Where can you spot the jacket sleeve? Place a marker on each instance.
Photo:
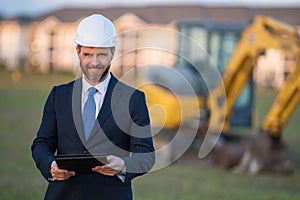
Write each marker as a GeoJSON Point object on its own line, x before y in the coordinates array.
{"type": "Point", "coordinates": [141, 145]}
{"type": "Point", "coordinates": [45, 143]}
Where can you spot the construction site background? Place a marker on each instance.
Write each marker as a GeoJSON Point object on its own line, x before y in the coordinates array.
{"type": "Point", "coordinates": [46, 43]}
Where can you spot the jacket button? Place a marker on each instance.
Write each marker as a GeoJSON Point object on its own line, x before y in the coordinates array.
{"type": "Point", "coordinates": [85, 152]}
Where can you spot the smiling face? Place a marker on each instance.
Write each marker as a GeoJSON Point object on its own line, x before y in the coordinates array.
{"type": "Point", "coordinates": [94, 61]}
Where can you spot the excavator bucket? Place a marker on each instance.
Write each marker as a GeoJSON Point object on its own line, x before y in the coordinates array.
{"type": "Point", "coordinates": [253, 155]}
{"type": "Point", "coordinates": [266, 154]}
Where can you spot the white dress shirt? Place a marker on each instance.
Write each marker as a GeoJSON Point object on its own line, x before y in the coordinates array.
{"type": "Point", "coordinates": [99, 95]}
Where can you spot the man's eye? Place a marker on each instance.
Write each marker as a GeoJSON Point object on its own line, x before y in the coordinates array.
{"type": "Point", "coordinates": [88, 55]}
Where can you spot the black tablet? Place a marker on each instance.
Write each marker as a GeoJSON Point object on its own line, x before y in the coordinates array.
{"type": "Point", "coordinates": [82, 163]}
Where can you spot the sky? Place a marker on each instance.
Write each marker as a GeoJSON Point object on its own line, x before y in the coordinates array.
{"type": "Point", "coordinates": [13, 8]}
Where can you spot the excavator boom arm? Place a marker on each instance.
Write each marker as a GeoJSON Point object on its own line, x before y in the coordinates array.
{"type": "Point", "coordinates": [261, 34]}
{"type": "Point", "coordinates": [284, 104]}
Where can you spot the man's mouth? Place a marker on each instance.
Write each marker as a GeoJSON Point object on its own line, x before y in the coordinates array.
{"type": "Point", "coordinates": [95, 68]}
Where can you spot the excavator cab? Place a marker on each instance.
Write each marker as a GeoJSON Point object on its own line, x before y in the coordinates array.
{"type": "Point", "coordinates": [218, 39]}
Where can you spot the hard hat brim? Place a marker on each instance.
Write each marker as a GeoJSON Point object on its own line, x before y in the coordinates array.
{"type": "Point", "coordinates": [109, 43]}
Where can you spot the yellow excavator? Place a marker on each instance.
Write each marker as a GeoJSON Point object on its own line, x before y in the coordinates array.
{"type": "Point", "coordinates": [220, 102]}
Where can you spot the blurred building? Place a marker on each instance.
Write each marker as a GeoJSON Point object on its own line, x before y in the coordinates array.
{"type": "Point", "coordinates": [46, 42]}
{"type": "Point", "coordinates": [14, 40]}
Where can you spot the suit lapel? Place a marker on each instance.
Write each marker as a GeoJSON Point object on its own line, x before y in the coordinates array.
{"type": "Point", "coordinates": [76, 107]}
{"type": "Point", "coordinates": [111, 98]}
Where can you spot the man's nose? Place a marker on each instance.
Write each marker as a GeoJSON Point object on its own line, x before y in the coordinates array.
{"type": "Point", "coordinates": [95, 61]}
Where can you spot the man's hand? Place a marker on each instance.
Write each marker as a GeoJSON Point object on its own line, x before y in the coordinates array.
{"type": "Point", "coordinates": [114, 166]}
{"type": "Point", "coordinates": [60, 174]}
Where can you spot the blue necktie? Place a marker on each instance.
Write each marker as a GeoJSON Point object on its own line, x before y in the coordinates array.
{"type": "Point", "coordinates": [89, 112]}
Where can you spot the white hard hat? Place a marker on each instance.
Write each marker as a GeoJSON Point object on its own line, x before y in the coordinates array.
{"type": "Point", "coordinates": [96, 31]}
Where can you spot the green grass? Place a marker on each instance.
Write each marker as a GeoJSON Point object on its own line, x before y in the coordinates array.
{"type": "Point", "coordinates": [203, 182]}
{"type": "Point", "coordinates": [21, 107]}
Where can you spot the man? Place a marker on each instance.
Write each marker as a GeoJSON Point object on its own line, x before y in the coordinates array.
{"type": "Point", "coordinates": [94, 114]}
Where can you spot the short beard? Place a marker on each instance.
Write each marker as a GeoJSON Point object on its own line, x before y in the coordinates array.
{"type": "Point", "coordinates": [93, 80]}
{"type": "Point", "coordinates": [98, 80]}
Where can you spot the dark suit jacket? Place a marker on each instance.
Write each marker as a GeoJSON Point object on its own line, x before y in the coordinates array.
{"type": "Point", "coordinates": [123, 130]}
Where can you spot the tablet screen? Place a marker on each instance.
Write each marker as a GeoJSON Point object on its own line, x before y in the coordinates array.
{"type": "Point", "coordinates": [82, 163]}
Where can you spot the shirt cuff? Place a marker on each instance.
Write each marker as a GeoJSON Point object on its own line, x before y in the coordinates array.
{"type": "Point", "coordinates": [122, 175]}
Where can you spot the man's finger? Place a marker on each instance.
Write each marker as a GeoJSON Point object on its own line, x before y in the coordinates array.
{"type": "Point", "coordinates": [60, 174]}
{"type": "Point", "coordinates": [103, 169]}
{"type": "Point", "coordinates": [107, 171]}
{"type": "Point", "coordinates": [63, 176]}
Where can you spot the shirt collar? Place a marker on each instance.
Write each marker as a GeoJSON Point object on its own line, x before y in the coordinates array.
{"type": "Point", "coordinates": [101, 87]}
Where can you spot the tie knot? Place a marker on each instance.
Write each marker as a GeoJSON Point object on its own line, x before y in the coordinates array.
{"type": "Point", "coordinates": [92, 91]}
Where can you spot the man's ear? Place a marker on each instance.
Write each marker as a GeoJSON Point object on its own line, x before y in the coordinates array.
{"type": "Point", "coordinates": [78, 50]}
